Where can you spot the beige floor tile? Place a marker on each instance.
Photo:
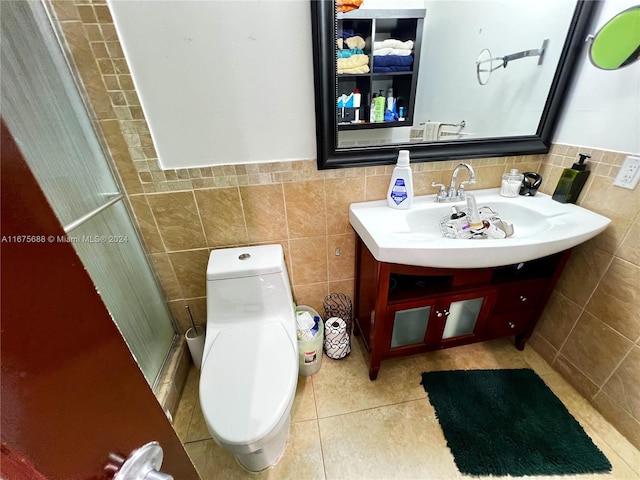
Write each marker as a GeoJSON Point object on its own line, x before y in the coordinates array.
{"type": "Point", "coordinates": [396, 441]}
{"type": "Point", "coordinates": [304, 403]}
{"type": "Point", "coordinates": [624, 457]}
{"type": "Point", "coordinates": [343, 386]}
{"type": "Point", "coordinates": [486, 355]}
{"type": "Point", "coordinates": [349, 427]}
{"type": "Point", "coordinates": [535, 361]}
{"type": "Point", "coordinates": [198, 429]}
{"type": "Point", "coordinates": [301, 460]}
{"type": "Point", "coordinates": [186, 405]}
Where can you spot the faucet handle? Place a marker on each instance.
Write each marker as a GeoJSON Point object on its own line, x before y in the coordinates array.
{"type": "Point", "coordinates": [442, 194]}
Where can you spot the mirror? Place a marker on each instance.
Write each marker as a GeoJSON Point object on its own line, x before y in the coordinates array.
{"type": "Point", "coordinates": [617, 44]}
{"type": "Point", "coordinates": [446, 111]}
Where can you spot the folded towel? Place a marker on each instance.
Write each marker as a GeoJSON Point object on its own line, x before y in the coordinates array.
{"type": "Point", "coordinates": [346, 53]}
{"type": "Point", "coordinates": [392, 60]}
{"type": "Point", "coordinates": [392, 43]}
{"type": "Point", "coordinates": [353, 61]}
{"type": "Point", "coordinates": [355, 41]}
{"type": "Point", "coordinates": [392, 68]}
{"type": "Point", "coordinates": [361, 69]}
{"type": "Point", "coordinates": [391, 51]}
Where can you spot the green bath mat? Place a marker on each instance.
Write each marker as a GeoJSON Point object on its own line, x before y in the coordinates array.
{"type": "Point", "coordinates": [508, 422]}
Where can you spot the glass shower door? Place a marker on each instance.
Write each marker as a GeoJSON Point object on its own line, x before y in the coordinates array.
{"type": "Point", "coordinates": [45, 113]}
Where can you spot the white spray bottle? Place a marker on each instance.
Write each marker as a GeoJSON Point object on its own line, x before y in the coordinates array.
{"type": "Point", "coordinates": [400, 193]}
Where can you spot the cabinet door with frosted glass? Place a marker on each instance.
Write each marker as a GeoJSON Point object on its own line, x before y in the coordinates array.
{"type": "Point", "coordinates": [461, 318]}
{"type": "Point", "coordinates": [410, 325]}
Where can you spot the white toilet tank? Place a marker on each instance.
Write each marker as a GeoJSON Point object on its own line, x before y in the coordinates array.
{"type": "Point", "coordinates": [247, 284]}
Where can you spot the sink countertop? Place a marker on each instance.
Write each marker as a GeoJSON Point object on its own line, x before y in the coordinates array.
{"type": "Point", "coordinates": [542, 227]}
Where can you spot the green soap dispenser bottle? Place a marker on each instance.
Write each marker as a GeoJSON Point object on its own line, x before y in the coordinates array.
{"type": "Point", "coordinates": [571, 181]}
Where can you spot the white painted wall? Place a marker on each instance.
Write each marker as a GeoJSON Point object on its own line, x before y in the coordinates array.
{"type": "Point", "coordinates": [225, 82]}
{"type": "Point", "coordinates": [222, 82]}
{"type": "Point", "coordinates": [603, 107]}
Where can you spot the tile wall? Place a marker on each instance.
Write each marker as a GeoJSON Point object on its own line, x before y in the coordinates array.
{"type": "Point", "coordinates": [590, 331]}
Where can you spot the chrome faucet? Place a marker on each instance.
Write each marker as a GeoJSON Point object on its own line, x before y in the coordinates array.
{"type": "Point", "coordinates": [453, 194]}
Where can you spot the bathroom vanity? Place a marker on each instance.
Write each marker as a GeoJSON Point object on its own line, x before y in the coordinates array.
{"type": "Point", "coordinates": [417, 290]}
{"type": "Point", "coordinates": [403, 310]}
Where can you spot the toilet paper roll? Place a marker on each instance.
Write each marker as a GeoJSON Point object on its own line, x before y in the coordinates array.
{"type": "Point", "coordinates": [195, 342]}
{"type": "Point", "coordinates": [337, 343]}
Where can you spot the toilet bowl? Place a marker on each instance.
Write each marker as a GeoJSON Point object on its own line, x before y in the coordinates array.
{"type": "Point", "coordinates": [249, 368]}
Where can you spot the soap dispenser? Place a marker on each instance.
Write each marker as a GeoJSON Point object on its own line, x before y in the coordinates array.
{"type": "Point", "coordinates": [571, 181]}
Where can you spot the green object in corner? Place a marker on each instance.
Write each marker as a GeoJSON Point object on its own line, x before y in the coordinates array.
{"type": "Point", "coordinates": [508, 422]}
{"type": "Point", "coordinates": [617, 44]}
{"type": "Point", "coordinates": [571, 181]}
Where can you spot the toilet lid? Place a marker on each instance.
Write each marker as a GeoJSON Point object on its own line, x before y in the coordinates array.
{"type": "Point", "coordinates": [247, 380]}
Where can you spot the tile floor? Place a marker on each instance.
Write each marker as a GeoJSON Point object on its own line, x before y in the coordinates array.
{"type": "Point", "coordinates": [347, 427]}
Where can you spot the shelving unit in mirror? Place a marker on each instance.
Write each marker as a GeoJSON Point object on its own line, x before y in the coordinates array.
{"type": "Point", "coordinates": [378, 55]}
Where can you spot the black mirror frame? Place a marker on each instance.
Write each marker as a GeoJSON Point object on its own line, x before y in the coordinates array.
{"type": "Point", "coordinates": [323, 19]}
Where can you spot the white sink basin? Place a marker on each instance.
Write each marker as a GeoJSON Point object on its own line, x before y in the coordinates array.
{"type": "Point", "coordinates": [541, 225]}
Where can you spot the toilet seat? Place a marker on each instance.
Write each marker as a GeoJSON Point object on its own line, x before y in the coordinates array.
{"type": "Point", "coordinates": [247, 381]}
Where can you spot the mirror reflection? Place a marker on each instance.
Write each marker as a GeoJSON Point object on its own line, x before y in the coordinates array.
{"type": "Point", "coordinates": [422, 71]}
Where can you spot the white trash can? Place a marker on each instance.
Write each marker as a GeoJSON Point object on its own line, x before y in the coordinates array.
{"type": "Point", "coordinates": [310, 351]}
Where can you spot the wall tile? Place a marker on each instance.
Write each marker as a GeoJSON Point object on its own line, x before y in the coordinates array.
{"type": "Point", "coordinates": [306, 208]}
{"type": "Point", "coordinates": [595, 348]}
{"type": "Point", "coordinates": [486, 177]}
{"type": "Point", "coordinates": [311, 295]}
{"type": "Point", "coordinates": [264, 212]}
{"type": "Point", "coordinates": [343, 266]}
{"type": "Point", "coordinates": [575, 377]}
{"type": "Point", "coordinates": [190, 268]}
{"type": "Point", "coordinates": [547, 351]}
{"type": "Point", "coordinates": [624, 386]}
{"type": "Point", "coordinates": [222, 216]}
{"type": "Point", "coordinates": [147, 224]}
{"type": "Point", "coordinates": [339, 193]}
{"type": "Point", "coordinates": [309, 260]}
{"type": "Point", "coordinates": [422, 181]}
{"type": "Point", "coordinates": [630, 248]}
{"type": "Point", "coordinates": [344, 286]}
{"type": "Point", "coordinates": [582, 272]}
{"type": "Point", "coordinates": [616, 301]}
{"type": "Point", "coordinates": [376, 187]}
{"type": "Point", "coordinates": [65, 10]}
{"type": "Point", "coordinates": [619, 418]}
{"type": "Point", "coordinates": [178, 220]}
{"type": "Point", "coordinates": [618, 204]}
{"type": "Point", "coordinates": [559, 317]}
{"type": "Point", "coordinates": [198, 307]}
{"type": "Point", "coordinates": [167, 276]}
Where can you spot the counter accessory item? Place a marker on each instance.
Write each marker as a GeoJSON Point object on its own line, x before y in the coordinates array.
{"type": "Point", "coordinates": [571, 181]}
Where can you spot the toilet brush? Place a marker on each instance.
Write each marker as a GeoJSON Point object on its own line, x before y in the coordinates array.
{"type": "Point", "coordinates": [195, 340]}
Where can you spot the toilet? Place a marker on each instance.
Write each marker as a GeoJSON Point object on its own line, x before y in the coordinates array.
{"type": "Point", "coordinates": [249, 367]}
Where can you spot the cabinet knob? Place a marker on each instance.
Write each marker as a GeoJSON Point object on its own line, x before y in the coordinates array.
{"type": "Point", "coordinates": [446, 313]}
{"type": "Point", "coordinates": [438, 313]}
{"type": "Point", "coordinates": [523, 298]}
{"type": "Point", "coordinates": [512, 325]}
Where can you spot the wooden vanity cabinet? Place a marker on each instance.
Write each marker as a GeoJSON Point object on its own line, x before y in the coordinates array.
{"type": "Point", "coordinates": [403, 310]}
